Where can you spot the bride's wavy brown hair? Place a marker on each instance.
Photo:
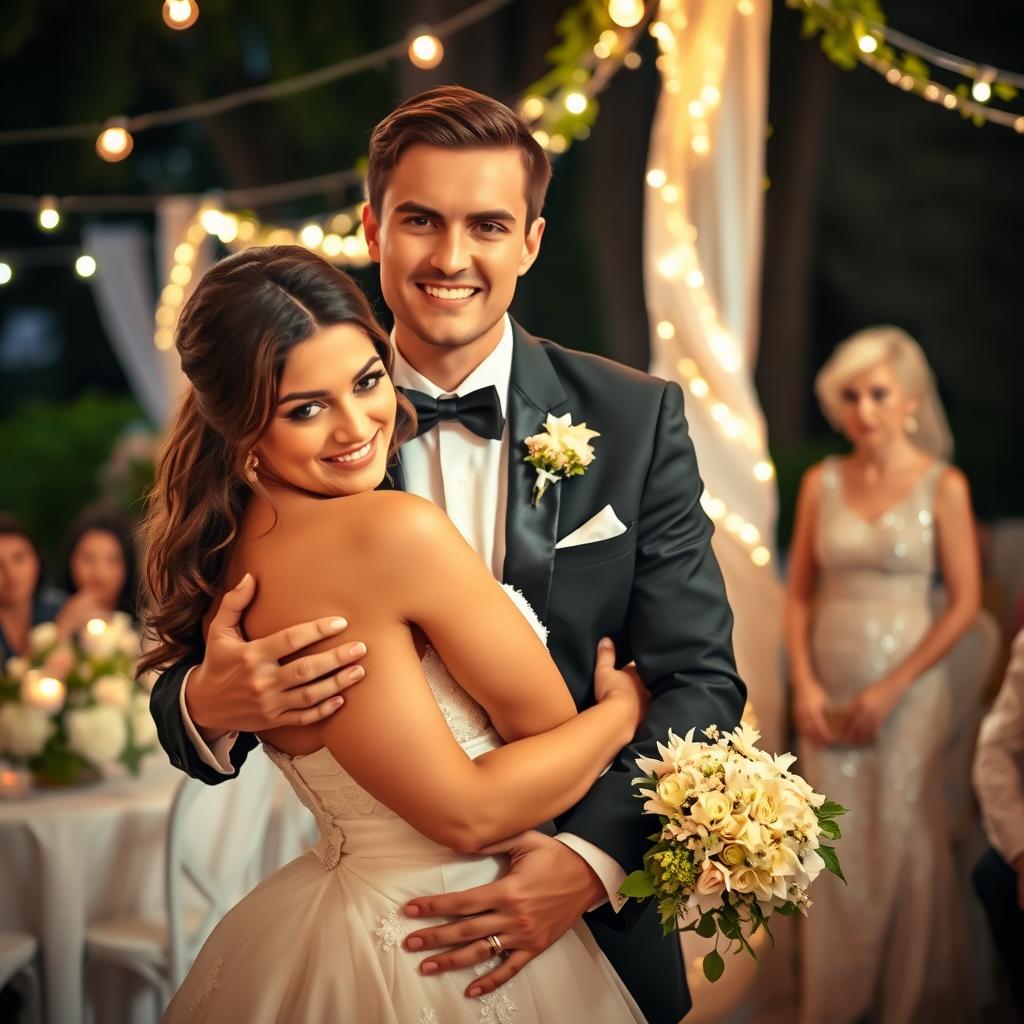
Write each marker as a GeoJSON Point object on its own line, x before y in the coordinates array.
{"type": "Point", "coordinates": [234, 335]}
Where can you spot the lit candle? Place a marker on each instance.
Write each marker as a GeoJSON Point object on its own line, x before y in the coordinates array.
{"type": "Point", "coordinates": [13, 783]}
{"type": "Point", "coordinates": [43, 692]}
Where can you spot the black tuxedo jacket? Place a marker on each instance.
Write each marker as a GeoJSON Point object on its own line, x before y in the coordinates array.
{"type": "Point", "coordinates": [655, 589]}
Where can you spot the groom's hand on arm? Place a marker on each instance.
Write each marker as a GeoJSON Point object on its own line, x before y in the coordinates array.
{"type": "Point", "coordinates": [547, 890]}
{"type": "Point", "coordinates": [241, 686]}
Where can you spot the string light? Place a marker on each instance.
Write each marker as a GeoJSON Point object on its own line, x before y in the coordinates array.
{"type": "Point", "coordinates": [311, 235]}
{"type": "Point", "coordinates": [867, 43]}
{"type": "Point", "coordinates": [180, 14]}
{"type": "Point", "coordinates": [981, 90]}
{"type": "Point", "coordinates": [576, 102]}
{"type": "Point", "coordinates": [533, 108]}
{"type": "Point", "coordinates": [115, 142]}
{"type": "Point", "coordinates": [85, 265]}
{"type": "Point", "coordinates": [426, 51]}
{"type": "Point", "coordinates": [49, 217]}
{"type": "Point", "coordinates": [626, 13]}
{"type": "Point", "coordinates": [656, 177]}
{"type": "Point", "coordinates": [733, 523]}
{"type": "Point", "coordinates": [632, 60]}
{"type": "Point", "coordinates": [5, 273]}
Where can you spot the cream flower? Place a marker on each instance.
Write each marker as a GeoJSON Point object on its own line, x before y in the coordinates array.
{"type": "Point", "coordinates": [710, 810]}
{"type": "Point", "coordinates": [114, 691]}
{"type": "Point", "coordinates": [42, 637]}
{"type": "Point", "coordinates": [23, 730]}
{"type": "Point", "coordinates": [673, 790]}
{"type": "Point", "coordinates": [98, 734]}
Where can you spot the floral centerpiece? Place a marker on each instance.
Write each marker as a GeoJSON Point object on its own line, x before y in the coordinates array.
{"type": "Point", "coordinates": [740, 838]}
{"type": "Point", "coordinates": [71, 710]}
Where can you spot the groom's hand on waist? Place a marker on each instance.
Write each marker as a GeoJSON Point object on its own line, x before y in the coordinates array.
{"type": "Point", "coordinates": [241, 685]}
{"type": "Point", "coordinates": [546, 891]}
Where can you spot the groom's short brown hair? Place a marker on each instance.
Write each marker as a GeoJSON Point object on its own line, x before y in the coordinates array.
{"type": "Point", "coordinates": [451, 117]}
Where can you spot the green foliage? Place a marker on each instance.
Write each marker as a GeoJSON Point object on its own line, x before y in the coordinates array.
{"type": "Point", "coordinates": [714, 965]}
{"type": "Point", "coordinates": [828, 855]}
{"type": "Point", "coordinates": [50, 456]}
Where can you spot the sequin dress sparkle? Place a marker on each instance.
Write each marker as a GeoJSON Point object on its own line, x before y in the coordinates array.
{"type": "Point", "coordinates": [884, 947]}
{"type": "Point", "coordinates": [320, 941]}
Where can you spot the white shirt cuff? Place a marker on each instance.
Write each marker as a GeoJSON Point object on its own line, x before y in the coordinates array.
{"type": "Point", "coordinates": [604, 866]}
{"type": "Point", "coordinates": [219, 758]}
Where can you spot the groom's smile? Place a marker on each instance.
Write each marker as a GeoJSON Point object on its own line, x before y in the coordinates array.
{"type": "Point", "coordinates": [452, 241]}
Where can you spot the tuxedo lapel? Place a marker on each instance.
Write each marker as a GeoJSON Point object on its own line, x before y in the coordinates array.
{"type": "Point", "coordinates": [530, 530]}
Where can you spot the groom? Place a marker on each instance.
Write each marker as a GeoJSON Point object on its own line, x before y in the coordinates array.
{"type": "Point", "coordinates": [456, 184]}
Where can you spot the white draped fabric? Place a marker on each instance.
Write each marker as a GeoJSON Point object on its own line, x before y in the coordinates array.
{"type": "Point", "coordinates": [702, 247]}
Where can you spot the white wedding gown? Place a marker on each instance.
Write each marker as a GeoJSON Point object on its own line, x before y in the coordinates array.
{"type": "Point", "coordinates": [320, 941]}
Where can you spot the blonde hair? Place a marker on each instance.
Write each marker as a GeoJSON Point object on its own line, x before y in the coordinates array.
{"type": "Point", "coordinates": [887, 344]}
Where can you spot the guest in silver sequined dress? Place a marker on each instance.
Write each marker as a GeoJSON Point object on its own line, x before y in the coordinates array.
{"type": "Point", "coordinates": [871, 699]}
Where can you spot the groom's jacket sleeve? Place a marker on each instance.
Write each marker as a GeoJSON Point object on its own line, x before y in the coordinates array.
{"type": "Point", "coordinates": [165, 707]}
{"type": "Point", "coordinates": [678, 631]}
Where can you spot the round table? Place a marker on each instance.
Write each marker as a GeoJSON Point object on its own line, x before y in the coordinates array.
{"type": "Point", "coordinates": [71, 857]}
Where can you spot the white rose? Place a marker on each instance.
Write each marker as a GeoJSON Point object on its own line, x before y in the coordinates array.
{"type": "Point", "coordinates": [23, 730]}
{"type": "Point", "coordinates": [672, 790]}
{"type": "Point", "coordinates": [114, 691]}
{"type": "Point", "coordinates": [711, 809]}
{"type": "Point", "coordinates": [767, 804]}
{"type": "Point", "coordinates": [143, 726]}
{"type": "Point", "coordinates": [101, 644]}
{"type": "Point", "coordinates": [16, 667]}
{"type": "Point", "coordinates": [98, 734]}
{"type": "Point", "coordinates": [42, 637]}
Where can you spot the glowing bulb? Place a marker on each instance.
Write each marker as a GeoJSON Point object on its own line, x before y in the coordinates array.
{"type": "Point", "coordinates": [228, 231]}
{"type": "Point", "coordinates": [699, 387]}
{"type": "Point", "coordinates": [671, 193]}
{"type": "Point", "coordinates": [602, 50]}
{"type": "Point", "coordinates": [710, 96]}
{"type": "Point", "coordinates": [867, 43]}
{"type": "Point", "coordinates": [180, 14]}
{"type": "Point", "coordinates": [749, 534]}
{"type": "Point", "coordinates": [311, 235]}
{"type": "Point", "coordinates": [181, 274]}
{"type": "Point", "coordinates": [760, 556]}
{"type": "Point", "coordinates": [558, 144]}
{"type": "Point", "coordinates": [96, 627]}
{"type": "Point", "coordinates": [626, 13]}
{"type": "Point", "coordinates": [733, 523]}
{"type": "Point", "coordinates": [85, 265]}
{"type": "Point", "coordinates": [764, 471]}
{"type": "Point", "coordinates": [426, 51]}
{"type": "Point", "coordinates": [632, 60]}
{"type": "Point", "coordinates": [246, 229]}
{"type": "Point", "coordinates": [656, 177]}
{"type": "Point", "coordinates": [1018, 125]}
{"type": "Point", "coordinates": [666, 330]}
{"type": "Point", "coordinates": [576, 103]}
{"type": "Point", "coordinates": [949, 101]}
{"type": "Point", "coordinates": [212, 220]}
{"type": "Point", "coordinates": [610, 38]}
{"type": "Point", "coordinates": [906, 83]}
{"type": "Point", "coordinates": [893, 75]}
{"type": "Point", "coordinates": [533, 108]}
{"type": "Point", "coordinates": [184, 253]}
{"type": "Point", "coordinates": [115, 142]}
{"type": "Point", "coordinates": [542, 138]}
{"type": "Point", "coordinates": [714, 507]}
{"type": "Point", "coordinates": [49, 217]}
{"type": "Point", "coordinates": [163, 339]}
{"type": "Point", "coordinates": [719, 412]}
{"type": "Point", "coordinates": [5, 273]}
{"type": "Point", "coordinates": [700, 144]}
{"type": "Point", "coordinates": [687, 368]}
{"type": "Point", "coordinates": [332, 245]}
{"type": "Point", "coordinates": [696, 109]}
{"type": "Point", "coordinates": [695, 279]}
{"type": "Point", "coordinates": [981, 91]}
{"type": "Point", "coordinates": [166, 317]}
{"type": "Point", "coordinates": [931, 92]}
{"type": "Point", "coordinates": [745, 7]}
{"type": "Point", "coordinates": [172, 295]}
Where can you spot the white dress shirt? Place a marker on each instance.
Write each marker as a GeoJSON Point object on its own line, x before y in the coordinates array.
{"type": "Point", "coordinates": [467, 476]}
{"type": "Point", "coordinates": [999, 762]}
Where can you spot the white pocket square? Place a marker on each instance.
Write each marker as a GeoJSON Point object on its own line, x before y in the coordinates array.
{"type": "Point", "coordinates": [603, 526]}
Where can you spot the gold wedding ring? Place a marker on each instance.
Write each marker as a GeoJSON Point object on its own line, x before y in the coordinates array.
{"type": "Point", "coordinates": [495, 944]}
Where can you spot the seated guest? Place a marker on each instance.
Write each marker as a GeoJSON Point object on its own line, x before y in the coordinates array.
{"type": "Point", "coordinates": [999, 783]}
{"type": "Point", "coordinates": [100, 572]}
{"type": "Point", "coordinates": [24, 601]}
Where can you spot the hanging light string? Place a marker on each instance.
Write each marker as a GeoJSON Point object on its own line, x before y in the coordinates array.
{"type": "Point", "coordinates": [260, 93]}
{"type": "Point", "coordinates": [857, 36]}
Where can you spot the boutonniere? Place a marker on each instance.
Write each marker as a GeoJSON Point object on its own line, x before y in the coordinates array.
{"type": "Point", "coordinates": [563, 449]}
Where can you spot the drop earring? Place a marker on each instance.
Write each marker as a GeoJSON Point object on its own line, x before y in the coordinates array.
{"type": "Point", "coordinates": [252, 463]}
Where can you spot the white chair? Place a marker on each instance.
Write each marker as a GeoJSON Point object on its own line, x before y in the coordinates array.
{"type": "Point", "coordinates": [19, 969]}
{"type": "Point", "coordinates": [215, 839]}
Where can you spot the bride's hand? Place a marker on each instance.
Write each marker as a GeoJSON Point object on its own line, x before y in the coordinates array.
{"type": "Point", "coordinates": [625, 684]}
{"type": "Point", "coordinates": [810, 713]}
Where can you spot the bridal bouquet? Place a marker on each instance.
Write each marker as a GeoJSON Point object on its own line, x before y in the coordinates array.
{"type": "Point", "coordinates": [740, 838]}
{"type": "Point", "coordinates": [70, 710]}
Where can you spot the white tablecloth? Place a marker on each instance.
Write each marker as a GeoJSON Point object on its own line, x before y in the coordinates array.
{"type": "Point", "coordinates": [70, 857]}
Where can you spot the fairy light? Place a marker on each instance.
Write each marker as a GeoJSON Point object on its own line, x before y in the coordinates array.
{"type": "Point", "coordinates": [228, 230]}
{"type": "Point", "coordinates": [558, 143]}
{"type": "Point", "coordinates": [666, 330]}
{"type": "Point", "coordinates": [542, 138]}
{"type": "Point", "coordinates": [115, 143]}
{"type": "Point", "coordinates": [85, 265]}
{"type": "Point", "coordinates": [602, 50]}
{"type": "Point", "coordinates": [626, 13]}
{"type": "Point", "coordinates": [212, 220]}
{"type": "Point", "coordinates": [533, 108]}
{"type": "Point", "coordinates": [180, 14]}
{"type": "Point", "coordinates": [426, 51]}
{"type": "Point", "coordinates": [760, 556]}
{"type": "Point", "coordinates": [632, 60]}
{"type": "Point", "coordinates": [745, 7]}
{"type": "Point", "coordinates": [764, 471]}
{"type": "Point", "coordinates": [656, 177]}
{"type": "Point", "coordinates": [576, 103]}
{"type": "Point", "coordinates": [867, 43]}
{"type": "Point", "coordinates": [671, 194]}
{"type": "Point", "coordinates": [332, 245]}
{"type": "Point", "coordinates": [981, 90]}
{"type": "Point", "coordinates": [49, 216]}
{"type": "Point", "coordinates": [6, 273]}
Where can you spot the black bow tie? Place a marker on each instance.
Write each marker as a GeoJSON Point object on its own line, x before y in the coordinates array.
{"type": "Point", "coordinates": [479, 411]}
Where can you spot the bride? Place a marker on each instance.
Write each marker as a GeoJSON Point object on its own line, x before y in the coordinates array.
{"type": "Point", "coordinates": [271, 468]}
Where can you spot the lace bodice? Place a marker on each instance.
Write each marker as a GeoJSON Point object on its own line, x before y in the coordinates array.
{"type": "Point", "coordinates": [334, 797]}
